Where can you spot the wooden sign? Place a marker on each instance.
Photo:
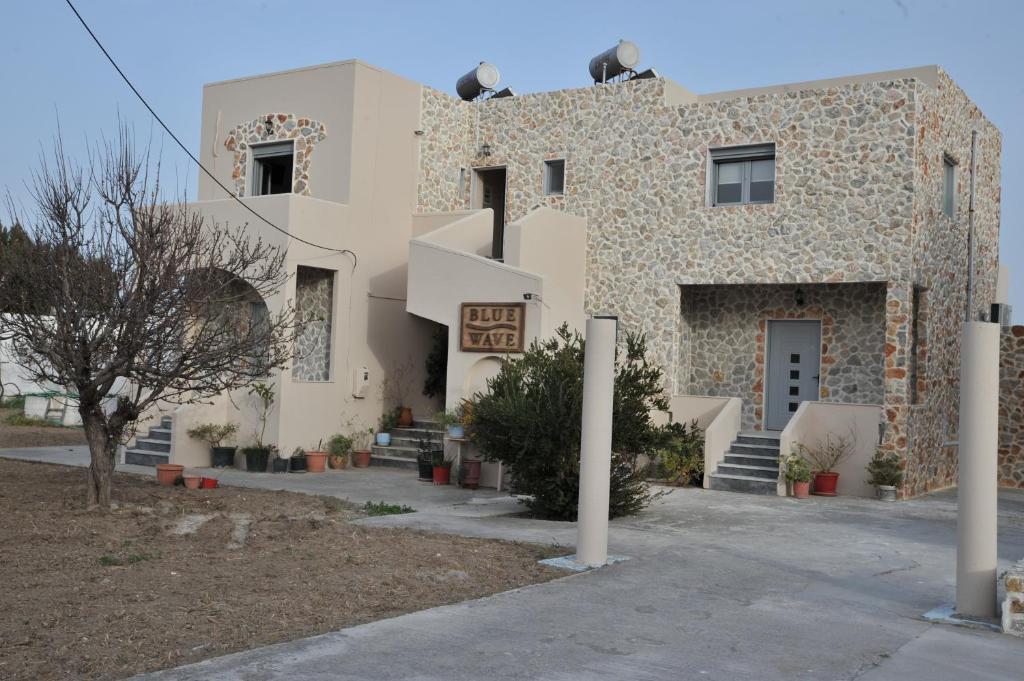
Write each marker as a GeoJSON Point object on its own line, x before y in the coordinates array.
{"type": "Point", "coordinates": [492, 327]}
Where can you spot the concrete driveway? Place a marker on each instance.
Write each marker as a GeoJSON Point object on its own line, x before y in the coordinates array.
{"type": "Point", "coordinates": [720, 585]}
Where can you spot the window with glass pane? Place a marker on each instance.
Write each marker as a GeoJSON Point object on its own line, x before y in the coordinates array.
{"type": "Point", "coordinates": [730, 182]}
{"type": "Point", "coordinates": [948, 186]}
{"type": "Point", "coordinates": [743, 175]}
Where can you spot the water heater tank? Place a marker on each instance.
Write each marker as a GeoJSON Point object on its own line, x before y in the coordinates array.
{"type": "Point", "coordinates": [483, 77]}
{"type": "Point", "coordinates": [613, 61]}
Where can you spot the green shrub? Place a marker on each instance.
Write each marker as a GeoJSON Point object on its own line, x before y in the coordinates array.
{"type": "Point", "coordinates": [530, 421]}
{"type": "Point", "coordinates": [885, 469]}
{"type": "Point", "coordinates": [382, 508]}
{"type": "Point", "coordinates": [681, 457]}
{"type": "Point", "coordinates": [795, 468]}
{"type": "Point", "coordinates": [339, 444]}
{"type": "Point", "coordinates": [16, 402]}
{"type": "Point", "coordinates": [213, 434]}
{"type": "Point", "coordinates": [19, 419]}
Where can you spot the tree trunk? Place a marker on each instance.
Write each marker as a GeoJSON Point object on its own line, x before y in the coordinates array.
{"type": "Point", "coordinates": [102, 449]}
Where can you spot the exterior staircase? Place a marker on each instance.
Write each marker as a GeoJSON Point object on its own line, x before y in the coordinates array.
{"type": "Point", "coordinates": [154, 448]}
{"type": "Point", "coordinates": [404, 447]}
{"type": "Point", "coordinates": [751, 465]}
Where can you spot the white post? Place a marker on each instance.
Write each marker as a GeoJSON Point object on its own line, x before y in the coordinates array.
{"type": "Point", "coordinates": [596, 442]}
{"type": "Point", "coordinates": [978, 486]}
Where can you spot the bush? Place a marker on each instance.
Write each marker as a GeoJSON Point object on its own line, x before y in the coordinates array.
{"type": "Point", "coordinates": [339, 445]}
{"type": "Point", "coordinates": [530, 421]}
{"type": "Point", "coordinates": [795, 468]}
{"type": "Point", "coordinates": [372, 508]}
{"type": "Point", "coordinates": [681, 458]}
{"type": "Point", "coordinates": [885, 469]}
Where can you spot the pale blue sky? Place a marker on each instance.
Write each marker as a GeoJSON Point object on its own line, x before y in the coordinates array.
{"type": "Point", "coordinates": [170, 49]}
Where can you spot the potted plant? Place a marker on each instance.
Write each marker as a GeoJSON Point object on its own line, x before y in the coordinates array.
{"type": "Point", "coordinates": [385, 424]}
{"type": "Point", "coordinates": [215, 435]}
{"type": "Point", "coordinates": [361, 446]}
{"type": "Point", "coordinates": [338, 448]}
{"type": "Point", "coordinates": [442, 469]}
{"type": "Point", "coordinates": [451, 421]}
{"type": "Point", "coordinates": [257, 456]}
{"type": "Point", "coordinates": [191, 480]}
{"type": "Point", "coordinates": [297, 462]}
{"type": "Point", "coordinates": [167, 474]}
{"type": "Point", "coordinates": [826, 456]}
{"type": "Point", "coordinates": [316, 459]}
{"type": "Point", "coordinates": [886, 474]}
{"type": "Point", "coordinates": [425, 458]}
{"type": "Point", "coordinates": [278, 464]}
{"type": "Point", "coordinates": [798, 475]}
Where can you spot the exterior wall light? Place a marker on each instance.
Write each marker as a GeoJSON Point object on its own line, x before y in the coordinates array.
{"type": "Point", "coordinates": [269, 126]}
{"type": "Point", "coordinates": [485, 149]}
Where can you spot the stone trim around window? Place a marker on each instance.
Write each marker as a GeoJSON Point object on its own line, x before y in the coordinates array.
{"type": "Point", "coordinates": [275, 127]}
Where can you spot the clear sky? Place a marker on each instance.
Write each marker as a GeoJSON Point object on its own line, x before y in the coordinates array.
{"type": "Point", "coordinates": [51, 69]}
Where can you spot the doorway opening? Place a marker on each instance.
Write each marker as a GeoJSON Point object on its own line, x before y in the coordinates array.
{"type": "Point", "coordinates": [489, 192]}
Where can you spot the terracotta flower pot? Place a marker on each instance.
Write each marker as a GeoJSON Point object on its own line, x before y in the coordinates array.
{"type": "Point", "coordinates": [825, 483]}
{"type": "Point", "coordinates": [362, 458]}
{"type": "Point", "coordinates": [192, 481]}
{"type": "Point", "coordinates": [442, 475]}
{"type": "Point", "coordinates": [472, 480]}
{"type": "Point", "coordinates": [316, 462]}
{"type": "Point", "coordinates": [208, 483]}
{"type": "Point", "coordinates": [168, 473]}
{"type": "Point", "coordinates": [405, 417]}
{"type": "Point", "coordinates": [801, 490]}
{"type": "Point", "coordinates": [337, 461]}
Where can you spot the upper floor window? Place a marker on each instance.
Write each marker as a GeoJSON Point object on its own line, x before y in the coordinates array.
{"type": "Point", "coordinates": [554, 177]}
{"type": "Point", "coordinates": [272, 166]}
{"type": "Point", "coordinates": [948, 186]}
{"type": "Point", "coordinates": [743, 175]}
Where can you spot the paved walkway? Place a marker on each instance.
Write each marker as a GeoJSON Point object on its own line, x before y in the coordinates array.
{"type": "Point", "coordinates": [719, 586]}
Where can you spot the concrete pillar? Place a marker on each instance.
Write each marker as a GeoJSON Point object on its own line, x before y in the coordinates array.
{"type": "Point", "coordinates": [978, 484]}
{"type": "Point", "coordinates": [596, 442]}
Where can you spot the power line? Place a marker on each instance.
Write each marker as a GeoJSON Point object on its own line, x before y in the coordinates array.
{"type": "Point", "coordinates": [355, 258]}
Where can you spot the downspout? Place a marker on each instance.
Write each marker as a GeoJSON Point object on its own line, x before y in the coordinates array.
{"type": "Point", "coordinates": [970, 230]}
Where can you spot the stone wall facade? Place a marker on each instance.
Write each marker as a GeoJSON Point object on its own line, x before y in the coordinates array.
{"type": "Point", "coordinates": [1011, 407]}
{"type": "Point", "coordinates": [858, 200]}
{"type": "Point", "coordinates": [723, 336]}
{"type": "Point", "coordinates": [275, 127]}
{"type": "Point", "coordinates": [314, 303]}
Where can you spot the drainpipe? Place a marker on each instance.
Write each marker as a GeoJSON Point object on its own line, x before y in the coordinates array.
{"type": "Point", "coordinates": [968, 314]}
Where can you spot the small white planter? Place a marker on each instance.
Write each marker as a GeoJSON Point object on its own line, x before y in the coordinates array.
{"type": "Point", "coordinates": [886, 492]}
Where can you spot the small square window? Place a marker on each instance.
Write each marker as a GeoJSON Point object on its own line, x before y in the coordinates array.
{"type": "Point", "coordinates": [742, 175]}
{"type": "Point", "coordinates": [794, 358]}
{"type": "Point", "coordinates": [554, 177]}
{"type": "Point", "coordinates": [272, 166]}
{"type": "Point", "coordinates": [793, 406]}
{"type": "Point", "coordinates": [794, 390]}
{"type": "Point", "coordinates": [794, 375]}
{"type": "Point", "coordinates": [949, 186]}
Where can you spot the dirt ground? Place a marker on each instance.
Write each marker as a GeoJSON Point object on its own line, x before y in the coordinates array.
{"type": "Point", "coordinates": [36, 436]}
{"type": "Point", "coordinates": [174, 576]}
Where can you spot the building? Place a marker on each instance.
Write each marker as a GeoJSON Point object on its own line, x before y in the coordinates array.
{"type": "Point", "coordinates": [796, 254]}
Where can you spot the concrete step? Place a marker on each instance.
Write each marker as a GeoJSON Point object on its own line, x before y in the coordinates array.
{"type": "Point", "coordinates": [415, 433]}
{"type": "Point", "coordinates": [742, 483]}
{"type": "Point", "coordinates": [146, 445]}
{"type": "Point", "coordinates": [391, 461]}
{"type": "Point", "coordinates": [751, 460]}
{"type": "Point", "coordinates": [762, 450]}
{"type": "Point", "coordinates": [766, 472]}
{"type": "Point", "coordinates": [405, 441]}
{"type": "Point", "coordinates": [770, 439]}
{"type": "Point", "coordinates": [145, 458]}
{"type": "Point", "coordinates": [394, 451]}
{"type": "Point", "coordinates": [159, 434]}
{"type": "Point", "coordinates": [166, 422]}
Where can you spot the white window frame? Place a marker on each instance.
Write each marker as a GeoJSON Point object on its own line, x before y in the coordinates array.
{"type": "Point", "coordinates": [739, 154]}
{"type": "Point", "coordinates": [267, 150]}
{"type": "Point", "coordinates": [949, 203]}
{"type": "Point", "coordinates": [548, 165]}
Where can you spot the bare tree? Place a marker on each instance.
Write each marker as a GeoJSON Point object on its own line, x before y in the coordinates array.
{"type": "Point", "coordinates": [148, 299]}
